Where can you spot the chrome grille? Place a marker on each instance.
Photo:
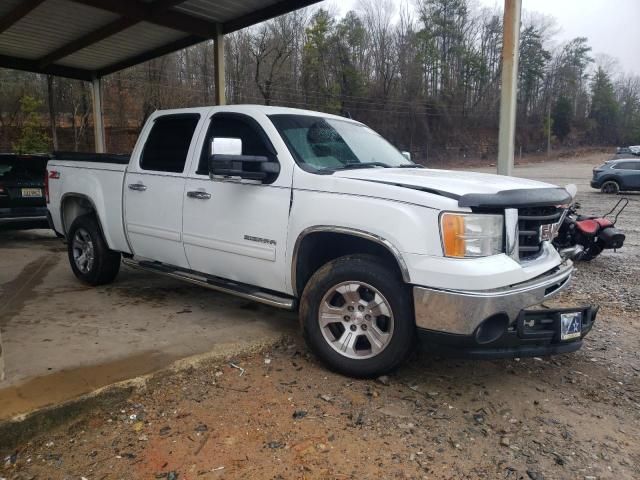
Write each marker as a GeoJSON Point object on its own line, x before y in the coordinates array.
{"type": "Point", "coordinates": [530, 222]}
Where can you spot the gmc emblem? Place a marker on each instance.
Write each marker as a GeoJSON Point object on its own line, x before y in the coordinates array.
{"type": "Point", "coordinates": [547, 232]}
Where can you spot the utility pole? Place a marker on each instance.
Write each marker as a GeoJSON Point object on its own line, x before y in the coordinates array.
{"type": "Point", "coordinates": [1, 360]}
{"type": "Point", "coordinates": [509, 91]}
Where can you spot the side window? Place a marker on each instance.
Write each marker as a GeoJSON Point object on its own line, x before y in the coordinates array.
{"type": "Point", "coordinates": [229, 125]}
{"type": "Point", "coordinates": [624, 166]}
{"type": "Point", "coordinates": [168, 143]}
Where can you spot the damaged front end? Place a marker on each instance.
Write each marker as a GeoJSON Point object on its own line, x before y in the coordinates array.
{"type": "Point", "coordinates": [510, 321]}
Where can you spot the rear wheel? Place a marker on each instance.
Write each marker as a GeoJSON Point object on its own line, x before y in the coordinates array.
{"type": "Point", "coordinates": [357, 316]}
{"type": "Point", "coordinates": [610, 186]}
{"type": "Point", "coordinates": [90, 258]}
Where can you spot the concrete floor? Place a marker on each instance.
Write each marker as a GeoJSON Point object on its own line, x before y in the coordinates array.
{"type": "Point", "coordinates": [62, 338]}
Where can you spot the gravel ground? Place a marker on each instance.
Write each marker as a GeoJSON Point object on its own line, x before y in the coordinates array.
{"type": "Point", "coordinates": [281, 415]}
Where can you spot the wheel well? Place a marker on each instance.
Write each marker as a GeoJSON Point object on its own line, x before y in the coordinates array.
{"type": "Point", "coordinates": [74, 206]}
{"type": "Point", "coordinates": [318, 248]}
{"type": "Point", "coordinates": [610, 179]}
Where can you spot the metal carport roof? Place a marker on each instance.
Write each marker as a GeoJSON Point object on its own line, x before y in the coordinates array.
{"type": "Point", "coordinates": [88, 39]}
{"type": "Point", "coordinates": [85, 39]}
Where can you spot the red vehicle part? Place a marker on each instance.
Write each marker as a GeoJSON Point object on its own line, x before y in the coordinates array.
{"type": "Point", "coordinates": [590, 227]}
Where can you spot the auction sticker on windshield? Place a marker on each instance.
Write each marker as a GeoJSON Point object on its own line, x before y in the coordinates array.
{"type": "Point", "coordinates": [570, 325]}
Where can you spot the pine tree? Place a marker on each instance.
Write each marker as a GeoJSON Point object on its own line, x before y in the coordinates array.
{"type": "Point", "coordinates": [562, 117]}
{"type": "Point", "coordinates": [604, 108]}
{"type": "Point", "coordinates": [32, 139]}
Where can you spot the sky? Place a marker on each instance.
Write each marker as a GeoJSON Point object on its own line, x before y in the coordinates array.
{"type": "Point", "coordinates": [612, 26]}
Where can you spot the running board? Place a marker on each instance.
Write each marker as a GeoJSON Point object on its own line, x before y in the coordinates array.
{"type": "Point", "coordinates": [215, 283]}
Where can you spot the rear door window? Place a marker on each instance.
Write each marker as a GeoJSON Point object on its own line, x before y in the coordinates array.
{"type": "Point", "coordinates": [624, 166]}
{"type": "Point", "coordinates": [168, 143]}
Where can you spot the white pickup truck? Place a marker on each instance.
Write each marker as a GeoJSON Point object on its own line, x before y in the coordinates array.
{"type": "Point", "coordinates": [310, 211]}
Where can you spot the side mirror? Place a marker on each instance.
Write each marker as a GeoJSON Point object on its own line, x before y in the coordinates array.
{"type": "Point", "coordinates": [406, 155]}
{"type": "Point", "coordinates": [227, 163]}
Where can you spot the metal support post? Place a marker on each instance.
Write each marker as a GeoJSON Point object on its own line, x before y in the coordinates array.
{"type": "Point", "coordinates": [98, 119]}
{"type": "Point", "coordinates": [218, 60]}
{"type": "Point", "coordinates": [509, 91]}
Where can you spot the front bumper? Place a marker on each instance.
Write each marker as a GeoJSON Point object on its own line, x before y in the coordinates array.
{"type": "Point", "coordinates": [535, 333]}
{"type": "Point", "coordinates": [496, 323]}
{"type": "Point", "coordinates": [461, 311]}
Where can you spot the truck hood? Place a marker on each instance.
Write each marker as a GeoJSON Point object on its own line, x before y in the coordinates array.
{"type": "Point", "coordinates": [450, 183]}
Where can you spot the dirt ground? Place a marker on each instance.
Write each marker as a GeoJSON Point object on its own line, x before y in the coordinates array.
{"type": "Point", "coordinates": [280, 414]}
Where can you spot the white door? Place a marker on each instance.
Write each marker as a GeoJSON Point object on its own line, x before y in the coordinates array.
{"type": "Point", "coordinates": [232, 230]}
{"type": "Point", "coordinates": [154, 191]}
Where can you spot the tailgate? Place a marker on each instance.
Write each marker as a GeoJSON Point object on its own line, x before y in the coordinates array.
{"type": "Point", "coordinates": [22, 194]}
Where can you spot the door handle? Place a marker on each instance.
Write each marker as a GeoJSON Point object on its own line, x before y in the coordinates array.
{"type": "Point", "coordinates": [139, 187]}
{"type": "Point", "coordinates": [199, 194]}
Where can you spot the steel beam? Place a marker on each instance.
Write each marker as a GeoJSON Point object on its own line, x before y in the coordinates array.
{"type": "Point", "coordinates": [145, 12]}
{"type": "Point", "coordinates": [98, 119]}
{"type": "Point", "coordinates": [86, 40]}
{"type": "Point", "coordinates": [103, 33]}
{"type": "Point", "coordinates": [509, 90]}
{"type": "Point", "coordinates": [33, 66]}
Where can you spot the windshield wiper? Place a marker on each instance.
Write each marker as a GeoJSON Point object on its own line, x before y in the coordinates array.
{"type": "Point", "coordinates": [411, 165]}
{"type": "Point", "coordinates": [353, 166]}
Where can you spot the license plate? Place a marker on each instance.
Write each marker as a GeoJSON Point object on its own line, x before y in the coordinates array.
{"type": "Point", "coordinates": [570, 325]}
{"type": "Point", "coordinates": [31, 192]}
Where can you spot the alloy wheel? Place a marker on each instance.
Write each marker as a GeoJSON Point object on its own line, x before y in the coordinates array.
{"type": "Point", "coordinates": [356, 320]}
{"type": "Point", "coordinates": [83, 250]}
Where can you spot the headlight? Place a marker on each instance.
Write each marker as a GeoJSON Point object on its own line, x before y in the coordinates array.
{"type": "Point", "coordinates": [471, 235]}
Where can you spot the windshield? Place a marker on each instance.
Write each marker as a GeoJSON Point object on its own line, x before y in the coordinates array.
{"type": "Point", "coordinates": [327, 144]}
{"type": "Point", "coordinates": [22, 169]}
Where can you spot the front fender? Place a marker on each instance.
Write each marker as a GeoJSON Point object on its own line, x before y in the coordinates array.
{"type": "Point", "coordinates": [400, 227]}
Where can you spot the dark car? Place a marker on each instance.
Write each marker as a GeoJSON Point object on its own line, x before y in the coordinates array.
{"type": "Point", "coordinates": [22, 200]}
{"type": "Point", "coordinates": [617, 175]}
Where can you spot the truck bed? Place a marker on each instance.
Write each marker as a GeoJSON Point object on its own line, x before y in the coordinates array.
{"type": "Point", "coordinates": [94, 178]}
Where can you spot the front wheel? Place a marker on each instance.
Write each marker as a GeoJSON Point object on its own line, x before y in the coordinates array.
{"type": "Point", "coordinates": [357, 316]}
{"type": "Point", "coordinates": [90, 258]}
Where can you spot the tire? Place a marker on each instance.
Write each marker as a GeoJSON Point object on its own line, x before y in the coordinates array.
{"type": "Point", "coordinates": [358, 299]}
{"type": "Point", "coordinates": [90, 258]}
{"type": "Point", "coordinates": [610, 186]}
{"type": "Point", "coordinates": [590, 253]}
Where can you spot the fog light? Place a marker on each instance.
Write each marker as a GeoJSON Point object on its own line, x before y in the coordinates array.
{"type": "Point", "coordinates": [492, 328]}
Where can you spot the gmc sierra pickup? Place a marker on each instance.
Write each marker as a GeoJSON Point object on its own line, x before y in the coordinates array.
{"type": "Point", "coordinates": [306, 210]}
